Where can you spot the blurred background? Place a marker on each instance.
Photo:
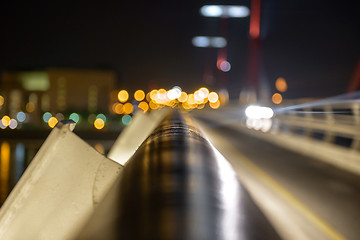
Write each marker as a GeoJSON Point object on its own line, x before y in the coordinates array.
{"type": "Point", "coordinates": [99, 62]}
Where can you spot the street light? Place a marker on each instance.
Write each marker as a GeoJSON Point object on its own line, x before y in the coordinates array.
{"type": "Point", "coordinates": [204, 41]}
{"type": "Point", "coordinates": [228, 11]}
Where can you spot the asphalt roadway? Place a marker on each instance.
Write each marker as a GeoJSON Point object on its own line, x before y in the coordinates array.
{"type": "Point", "coordinates": [302, 197]}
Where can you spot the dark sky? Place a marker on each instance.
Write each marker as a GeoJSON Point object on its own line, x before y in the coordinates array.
{"type": "Point", "coordinates": [313, 44]}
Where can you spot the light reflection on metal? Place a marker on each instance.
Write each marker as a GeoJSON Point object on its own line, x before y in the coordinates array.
{"type": "Point", "coordinates": [177, 179]}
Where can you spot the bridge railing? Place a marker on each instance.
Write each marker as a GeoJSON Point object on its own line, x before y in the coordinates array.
{"type": "Point", "coordinates": [175, 186]}
{"type": "Point", "coordinates": [335, 122]}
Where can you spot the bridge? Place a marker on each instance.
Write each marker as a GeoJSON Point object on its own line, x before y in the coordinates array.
{"type": "Point", "coordinates": [292, 175]}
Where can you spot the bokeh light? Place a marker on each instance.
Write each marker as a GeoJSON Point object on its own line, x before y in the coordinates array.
{"type": "Point", "coordinates": [5, 120]}
{"type": "Point", "coordinates": [128, 108]}
{"type": "Point", "coordinates": [99, 123]}
{"type": "Point", "coordinates": [277, 98]}
{"type": "Point", "coordinates": [75, 117]}
{"type": "Point", "coordinates": [126, 119]}
{"type": "Point", "coordinates": [215, 105]}
{"type": "Point", "coordinates": [101, 116]}
{"type": "Point", "coordinates": [30, 107]}
{"type": "Point", "coordinates": [143, 106]}
{"type": "Point", "coordinates": [13, 124]}
{"type": "Point", "coordinates": [52, 122]}
{"type": "Point", "coordinates": [123, 96]}
{"type": "Point", "coordinates": [225, 66]}
{"type": "Point", "coordinates": [2, 100]}
{"type": "Point", "coordinates": [60, 116]}
{"type": "Point", "coordinates": [183, 97]}
{"type": "Point", "coordinates": [118, 108]}
{"type": "Point", "coordinates": [153, 105]}
{"type": "Point", "coordinates": [153, 94]}
{"type": "Point", "coordinates": [213, 97]}
{"type": "Point", "coordinates": [47, 116]}
{"type": "Point", "coordinates": [139, 95]}
{"type": "Point", "coordinates": [174, 93]}
{"type": "Point", "coordinates": [281, 84]}
{"type": "Point", "coordinates": [21, 116]}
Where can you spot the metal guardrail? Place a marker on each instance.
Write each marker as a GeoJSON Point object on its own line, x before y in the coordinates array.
{"type": "Point", "coordinates": [177, 186]}
{"type": "Point", "coordinates": [336, 122]}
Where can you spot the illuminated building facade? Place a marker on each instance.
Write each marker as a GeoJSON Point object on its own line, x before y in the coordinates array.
{"type": "Point", "coordinates": [56, 90]}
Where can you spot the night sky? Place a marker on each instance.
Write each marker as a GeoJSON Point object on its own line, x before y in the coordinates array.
{"type": "Point", "coordinates": [314, 45]}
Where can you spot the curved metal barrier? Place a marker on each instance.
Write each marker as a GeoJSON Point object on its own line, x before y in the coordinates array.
{"type": "Point", "coordinates": [177, 186]}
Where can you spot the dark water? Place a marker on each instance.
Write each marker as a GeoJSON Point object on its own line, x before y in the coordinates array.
{"type": "Point", "coordinates": [14, 158]}
{"type": "Point", "coordinates": [16, 155]}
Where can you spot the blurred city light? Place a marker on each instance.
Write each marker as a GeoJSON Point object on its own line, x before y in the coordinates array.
{"type": "Point", "coordinates": [123, 96]}
{"type": "Point", "coordinates": [59, 116]}
{"type": "Point", "coordinates": [47, 116]}
{"type": "Point", "coordinates": [99, 123]}
{"type": "Point", "coordinates": [139, 95]}
{"type": "Point", "coordinates": [13, 124]}
{"type": "Point", "coordinates": [102, 117]}
{"type": "Point", "coordinates": [21, 116]}
{"type": "Point", "coordinates": [258, 112]}
{"type": "Point", "coordinates": [204, 41]}
{"type": "Point", "coordinates": [2, 100]}
{"type": "Point", "coordinates": [277, 98]}
{"type": "Point", "coordinates": [225, 66]}
{"type": "Point", "coordinates": [211, 11]}
{"type": "Point", "coordinates": [183, 97]}
{"type": "Point", "coordinates": [52, 122]}
{"type": "Point", "coordinates": [215, 105]}
{"type": "Point", "coordinates": [126, 119]}
{"type": "Point", "coordinates": [30, 107]}
{"type": "Point", "coordinates": [224, 11]}
{"type": "Point", "coordinates": [238, 11]}
{"type": "Point", "coordinates": [143, 106]}
{"type": "Point", "coordinates": [218, 42]}
{"type": "Point", "coordinates": [5, 120]}
{"type": "Point", "coordinates": [174, 93]}
{"type": "Point", "coordinates": [259, 124]}
{"type": "Point", "coordinates": [201, 41]}
{"type": "Point", "coordinates": [118, 108]}
{"type": "Point", "coordinates": [75, 117]}
{"type": "Point", "coordinates": [213, 97]}
{"type": "Point", "coordinates": [153, 105]}
{"type": "Point", "coordinates": [281, 84]}
{"type": "Point", "coordinates": [153, 94]}
{"type": "Point", "coordinates": [128, 108]}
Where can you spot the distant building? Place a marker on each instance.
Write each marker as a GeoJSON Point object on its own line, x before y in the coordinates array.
{"type": "Point", "coordinates": [57, 90]}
